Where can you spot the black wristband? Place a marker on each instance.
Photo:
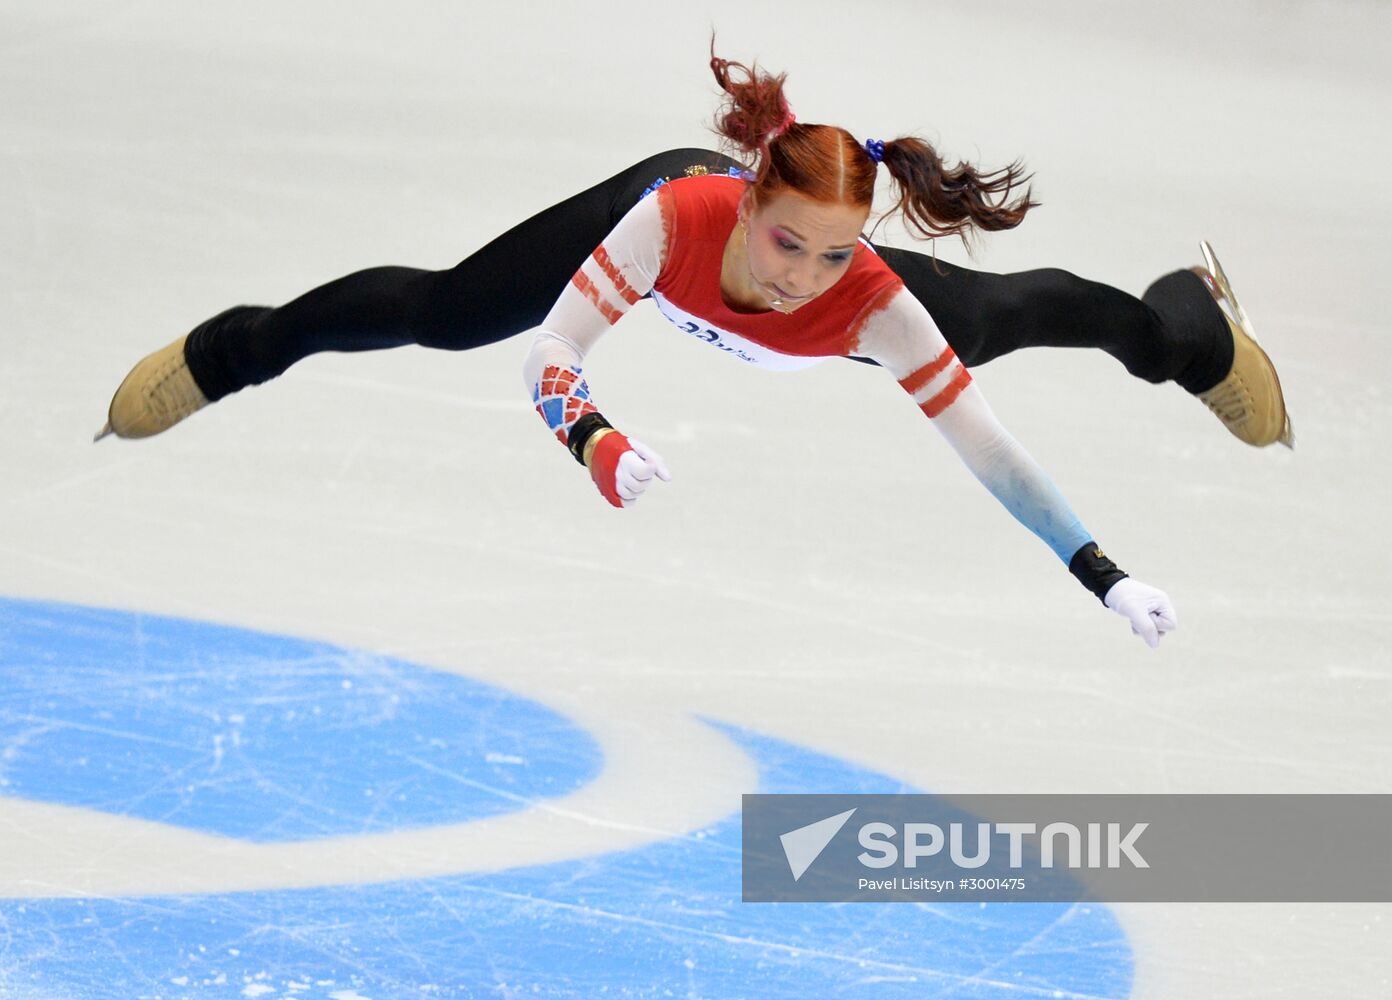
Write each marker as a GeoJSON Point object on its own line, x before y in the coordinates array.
{"type": "Point", "coordinates": [582, 431]}
{"type": "Point", "coordinates": [1094, 570]}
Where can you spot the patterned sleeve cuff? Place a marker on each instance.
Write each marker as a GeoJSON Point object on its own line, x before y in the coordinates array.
{"type": "Point", "coordinates": [562, 397]}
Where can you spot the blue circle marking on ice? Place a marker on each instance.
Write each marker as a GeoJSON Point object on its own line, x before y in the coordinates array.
{"type": "Point", "coordinates": [657, 921]}
{"type": "Point", "coordinates": [261, 737]}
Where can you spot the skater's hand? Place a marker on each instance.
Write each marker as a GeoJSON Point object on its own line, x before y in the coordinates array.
{"type": "Point", "coordinates": [623, 468]}
{"type": "Point", "coordinates": [1149, 610]}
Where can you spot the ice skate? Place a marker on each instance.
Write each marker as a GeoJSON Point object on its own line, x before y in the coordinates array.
{"type": "Point", "coordinates": [156, 395]}
{"type": "Point", "coordinates": [1249, 399]}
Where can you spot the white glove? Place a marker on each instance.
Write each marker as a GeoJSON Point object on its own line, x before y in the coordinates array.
{"type": "Point", "coordinates": [636, 470]}
{"type": "Point", "coordinates": [1149, 610]}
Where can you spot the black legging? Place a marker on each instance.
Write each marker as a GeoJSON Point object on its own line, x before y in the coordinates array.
{"type": "Point", "coordinates": [1175, 331]}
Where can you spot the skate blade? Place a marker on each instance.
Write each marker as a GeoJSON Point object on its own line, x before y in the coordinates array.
{"type": "Point", "coordinates": [104, 432]}
{"type": "Point", "coordinates": [1287, 437]}
{"type": "Point", "coordinates": [1220, 281]}
{"type": "Point", "coordinates": [1224, 290]}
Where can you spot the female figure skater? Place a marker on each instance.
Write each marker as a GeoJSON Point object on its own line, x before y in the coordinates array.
{"type": "Point", "coordinates": [767, 265]}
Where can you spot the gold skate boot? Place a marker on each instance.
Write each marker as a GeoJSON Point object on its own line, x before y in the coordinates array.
{"type": "Point", "coordinates": [156, 395]}
{"type": "Point", "coordinates": [1249, 400]}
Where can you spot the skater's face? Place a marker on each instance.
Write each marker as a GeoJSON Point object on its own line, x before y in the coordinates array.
{"type": "Point", "coordinates": [798, 248]}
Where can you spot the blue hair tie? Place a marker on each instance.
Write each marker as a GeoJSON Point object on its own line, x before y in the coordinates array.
{"type": "Point", "coordinates": [875, 148]}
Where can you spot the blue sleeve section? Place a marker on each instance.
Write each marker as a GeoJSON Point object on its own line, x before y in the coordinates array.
{"type": "Point", "coordinates": [1034, 501]}
{"type": "Point", "coordinates": [553, 412]}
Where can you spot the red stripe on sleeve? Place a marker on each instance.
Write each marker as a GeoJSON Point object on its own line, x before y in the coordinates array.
{"type": "Point", "coordinates": [582, 282]}
{"type": "Point", "coordinates": [945, 398]}
{"type": "Point", "coordinates": [928, 372]}
{"type": "Point", "coordinates": [601, 257]}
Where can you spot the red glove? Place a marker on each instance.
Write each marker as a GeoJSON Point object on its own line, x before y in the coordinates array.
{"type": "Point", "coordinates": [623, 468]}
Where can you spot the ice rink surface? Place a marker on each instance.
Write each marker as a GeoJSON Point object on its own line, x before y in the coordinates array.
{"type": "Point", "coordinates": [351, 687]}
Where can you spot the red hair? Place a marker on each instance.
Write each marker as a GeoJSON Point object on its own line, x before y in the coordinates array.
{"type": "Point", "coordinates": [826, 163]}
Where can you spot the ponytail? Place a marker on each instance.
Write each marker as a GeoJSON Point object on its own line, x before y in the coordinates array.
{"type": "Point", "coordinates": [754, 111]}
{"type": "Point", "coordinates": [941, 201]}
{"type": "Point", "coordinates": [826, 163]}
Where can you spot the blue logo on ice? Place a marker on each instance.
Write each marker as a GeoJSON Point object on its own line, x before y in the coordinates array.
{"type": "Point", "coordinates": [123, 712]}
{"type": "Point", "coordinates": [264, 738]}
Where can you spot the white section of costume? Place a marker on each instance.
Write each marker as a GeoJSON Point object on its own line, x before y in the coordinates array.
{"type": "Point", "coordinates": [636, 248]}
{"type": "Point", "coordinates": [731, 343]}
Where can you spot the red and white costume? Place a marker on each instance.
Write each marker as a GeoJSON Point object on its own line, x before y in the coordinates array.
{"type": "Point", "coordinates": [671, 245]}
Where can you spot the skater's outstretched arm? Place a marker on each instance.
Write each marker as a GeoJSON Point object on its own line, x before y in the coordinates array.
{"type": "Point", "coordinates": [621, 271]}
{"type": "Point", "coordinates": [903, 339]}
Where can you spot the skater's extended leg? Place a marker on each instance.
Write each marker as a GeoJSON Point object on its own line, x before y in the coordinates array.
{"type": "Point", "coordinates": [1175, 332]}
{"type": "Point", "coordinates": [504, 288]}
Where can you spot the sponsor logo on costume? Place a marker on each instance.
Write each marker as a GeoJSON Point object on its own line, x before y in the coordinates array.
{"type": "Point", "coordinates": [731, 343]}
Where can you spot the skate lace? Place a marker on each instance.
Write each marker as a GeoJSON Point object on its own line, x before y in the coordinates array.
{"type": "Point", "coordinates": [172, 392]}
{"type": "Point", "coordinates": [1229, 400]}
